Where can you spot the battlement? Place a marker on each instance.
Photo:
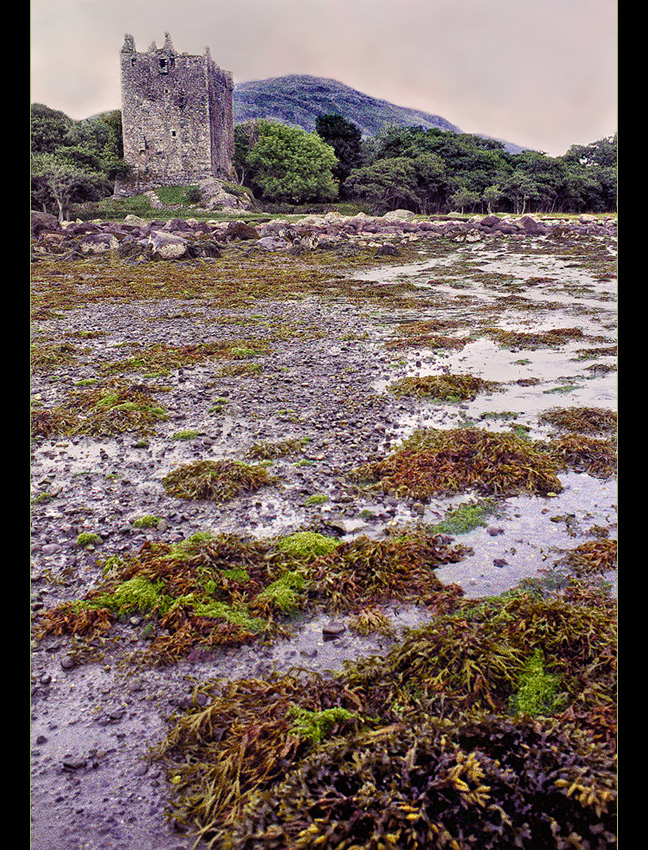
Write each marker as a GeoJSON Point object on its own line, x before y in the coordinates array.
{"type": "Point", "coordinates": [177, 117]}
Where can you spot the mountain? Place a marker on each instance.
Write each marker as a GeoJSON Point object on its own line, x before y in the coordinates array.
{"type": "Point", "coordinates": [298, 99]}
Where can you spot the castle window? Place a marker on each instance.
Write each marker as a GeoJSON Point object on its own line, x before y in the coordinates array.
{"type": "Point", "coordinates": [173, 134]}
{"type": "Point", "coordinates": [164, 66]}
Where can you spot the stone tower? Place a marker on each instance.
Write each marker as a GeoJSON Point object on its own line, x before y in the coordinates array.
{"type": "Point", "coordinates": [177, 118]}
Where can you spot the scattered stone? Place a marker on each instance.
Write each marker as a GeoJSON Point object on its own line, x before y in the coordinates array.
{"type": "Point", "coordinates": [333, 629]}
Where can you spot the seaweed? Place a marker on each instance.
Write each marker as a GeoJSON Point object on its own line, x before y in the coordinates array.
{"type": "Point", "coordinates": [581, 420]}
{"type": "Point", "coordinates": [521, 339]}
{"type": "Point", "coordinates": [443, 387]}
{"type": "Point", "coordinates": [363, 572]}
{"type": "Point", "coordinates": [596, 457]}
{"type": "Point", "coordinates": [493, 726]}
{"type": "Point", "coordinates": [215, 480]}
{"type": "Point", "coordinates": [593, 556]}
{"type": "Point", "coordinates": [106, 410]}
{"type": "Point", "coordinates": [485, 783]}
{"type": "Point", "coordinates": [445, 462]}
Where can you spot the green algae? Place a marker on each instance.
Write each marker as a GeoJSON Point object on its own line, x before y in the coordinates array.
{"type": "Point", "coordinates": [307, 545]}
{"type": "Point", "coordinates": [466, 518]}
{"type": "Point", "coordinates": [537, 691]}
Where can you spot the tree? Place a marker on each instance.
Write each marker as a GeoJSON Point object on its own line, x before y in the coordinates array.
{"type": "Point", "coordinates": [385, 185]}
{"type": "Point", "coordinates": [464, 197]}
{"type": "Point", "coordinates": [49, 128]}
{"type": "Point", "coordinates": [345, 138]}
{"type": "Point", "coordinates": [490, 196]}
{"type": "Point", "coordinates": [286, 164]}
{"type": "Point", "coordinates": [63, 182]}
{"type": "Point", "coordinates": [520, 188]}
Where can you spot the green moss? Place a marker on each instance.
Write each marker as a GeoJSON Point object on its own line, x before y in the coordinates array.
{"type": "Point", "coordinates": [315, 726]}
{"type": "Point", "coordinates": [87, 538]}
{"type": "Point", "coordinates": [136, 594]}
{"type": "Point", "coordinates": [187, 434]}
{"type": "Point", "coordinates": [316, 499]}
{"type": "Point", "coordinates": [285, 593]}
{"type": "Point", "coordinates": [538, 691]}
{"type": "Point", "coordinates": [146, 521]}
{"type": "Point", "coordinates": [307, 545]}
{"type": "Point", "coordinates": [465, 518]}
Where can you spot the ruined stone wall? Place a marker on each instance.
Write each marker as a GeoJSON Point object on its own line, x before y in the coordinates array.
{"type": "Point", "coordinates": [177, 118]}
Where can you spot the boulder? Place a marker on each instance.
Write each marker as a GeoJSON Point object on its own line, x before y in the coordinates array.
{"type": "Point", "coordinates": [273, 243]}
{"type": "Point", "coordinates": [98, 243]}
{"type": "Point", "coordinates": [490, 221]}
{"type": "Point", "coordinates": [166, 246]}
{"type": "Point", "coordinates": [531, 225]}
{"type": "Point", "coordinates": [240, 230]}
{"type": "Point", "coordinates": [42, 222]}
{"type": "Point", "coordinates": [398, 215]}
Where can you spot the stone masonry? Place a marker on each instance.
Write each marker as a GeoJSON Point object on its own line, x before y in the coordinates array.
{"type": "Point", "coordinates": [177, 118]}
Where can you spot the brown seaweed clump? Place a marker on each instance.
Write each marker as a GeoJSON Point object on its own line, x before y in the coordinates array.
{"type": "Point", "coordinates": [443, 462]}
{"type": "Point", "coordinates": [252, 731]}
{"type": "Point", "coordinates": [493, 784]}
{"type": "Point", "coordinates": [594, 556]}
{"type": "Point", "coordinates": [493, 726]}
{"type": "Point", "coordinates": [541, 339]}
{"type": "Point", "coordinates": [442, 387]}
{"type": "Point", "coordinates": [215, 480]}
{"type": "Point", "coordinates": [596, 457]}
{"type": "Point", "coordinates": [113, 408]}
{"type": "Point", "coordinates": [214, 591]}
{"type": "Point", "coordinates": [581, 420]}
{"type": "Point", "coordinates": [363, 572]}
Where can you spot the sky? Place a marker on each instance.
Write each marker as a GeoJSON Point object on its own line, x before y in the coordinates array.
{"type": "Point", "coordinates": [538, 73]}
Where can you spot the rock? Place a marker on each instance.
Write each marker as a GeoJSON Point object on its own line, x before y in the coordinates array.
{"type": "Point", "coordinates": [240, 230]}
{"type": "Point", "coordinates": [531, 225]}
{"type": "Point", "coordinates": [42, 222]}
{"type": "Point", "coordinates": [333, 629]}
{"type": "Point", "coordinates": [387, 251]}
{"type": "Point", "coordinates": [398, 215]}
{"type": "Point", "coordinates": [71, 763]}
{"type": "Point", "coordinates": [98, 243]}
{"type": "Point", "coordinates": [166, 246]}
{"type": "Point", "coordinates": [490, 221]}
{"type": "Point", "coordinates": [273, 243]}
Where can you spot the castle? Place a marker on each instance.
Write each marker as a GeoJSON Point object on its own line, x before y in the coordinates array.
{"type": "Point", "coordinates": [177, 118]}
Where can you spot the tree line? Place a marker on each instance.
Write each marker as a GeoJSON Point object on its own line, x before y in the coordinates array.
{"type": "Point", "coordinates": [428, 171]}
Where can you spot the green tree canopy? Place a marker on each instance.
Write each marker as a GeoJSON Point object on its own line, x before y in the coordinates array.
{"type": "Point", "coordinates": [285, 164]}
{"type": "Point", "coordinates": [345, 138]}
